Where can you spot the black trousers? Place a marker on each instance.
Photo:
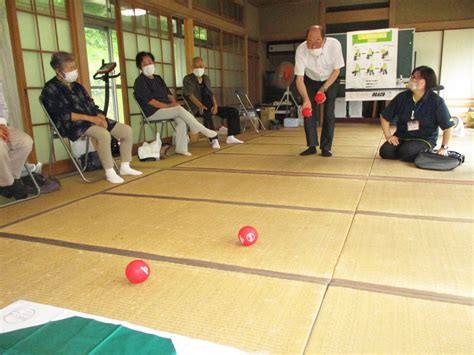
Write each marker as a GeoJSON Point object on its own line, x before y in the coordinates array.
{"type": "Point", "coordinates": [310, 123]}
{"type": "Point", "coordinates": [406, 150]}
{"type": "Point", "coordinates": [229, 113]}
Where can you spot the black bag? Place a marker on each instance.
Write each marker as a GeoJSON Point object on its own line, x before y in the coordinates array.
{"type": "Point", "coordinates": [93, 161]}
{"type": "Point", "coordinates": [115, 147]}
{"type": "Point", "coordinates": [430, 160]}
{"type": "Point", "coordinates": [273, 125]}
{"type": "Point", "coordinates": [46, 184]}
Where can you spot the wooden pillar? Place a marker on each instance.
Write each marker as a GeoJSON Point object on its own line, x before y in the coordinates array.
{"type": "Point", "coordinates": [78, 36]}
{"type": "Point", "coordinates": [392, 13]}
{"type": "Point", "coordinates": [123, 64]}
{"type": "Point", "coordinates": [189, 43]}
{"type": "Point", "coordinates": [246, 64]}
{"type": "Point", "coordinates": [322, 13]}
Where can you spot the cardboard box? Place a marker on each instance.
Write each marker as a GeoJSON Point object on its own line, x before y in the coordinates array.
{"type": "Point", "coordinates": [267, 113]}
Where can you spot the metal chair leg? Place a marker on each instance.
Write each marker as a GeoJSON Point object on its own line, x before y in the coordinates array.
{"type": "Point", "coordinates": [38, 191]}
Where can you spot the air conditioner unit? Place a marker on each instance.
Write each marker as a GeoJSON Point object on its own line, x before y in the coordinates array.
{"type": "Point", "coordinates": [281, 47]}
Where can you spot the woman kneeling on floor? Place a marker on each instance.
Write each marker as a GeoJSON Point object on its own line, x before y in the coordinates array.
{"type": "Point", "coordinates": [76, 114]}
{"type": "Point", "coordinates": [419, 113]}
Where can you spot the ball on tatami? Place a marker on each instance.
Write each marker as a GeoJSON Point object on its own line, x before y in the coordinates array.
{"type": "Point", "coordinates": [137, 271]}
{"type": "Point", "coordinates": [248, 235]}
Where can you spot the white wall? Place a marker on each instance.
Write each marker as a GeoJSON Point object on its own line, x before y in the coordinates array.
{"type": "Point", "coordinates": [451, 57]}
{"type": "Point", "coordinates": [428, 49]}
{"type": "Point", "coordinates": [457, 68]}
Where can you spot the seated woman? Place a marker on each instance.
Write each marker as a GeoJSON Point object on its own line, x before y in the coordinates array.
{"type": "Point", "coordinates": [418, 112]}
{"type": "Point", "coordinates": [76, 114]}
{"type": "Point", "coordinates": [158, 103]}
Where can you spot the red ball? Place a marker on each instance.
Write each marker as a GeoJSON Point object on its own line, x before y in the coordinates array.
{"type": "Point", "coordinates": [319, 97]}
{"type": "Point", "coordinates": [248, 235]}
{"type": "Point", "coordinates": [137, 271]}
{"type": "Point", "coordinates": [307, 112]}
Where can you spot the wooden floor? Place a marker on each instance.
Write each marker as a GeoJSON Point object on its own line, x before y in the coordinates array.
{"type": "Point", "coordinates": [356, 254]}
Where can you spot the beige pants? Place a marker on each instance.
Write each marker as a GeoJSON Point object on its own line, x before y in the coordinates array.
{"type": "Point", "coordinates": [13, 155]}
{"type": "Point", "coordinates": [120, 131]}
{"type": "Point", "coordinates": [182, 118]}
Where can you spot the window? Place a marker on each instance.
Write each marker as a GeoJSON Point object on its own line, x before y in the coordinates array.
{"type": "Point", "coordinates": [179, 51]}
{"type": "Point", "coordinates": [233, 67]}
{"type": "Point", "coordinates": [146, 31]}
{"type": "Point", "coordinates": [207, 46]}
{"type": "Point", "coordinates": [44, 28]}
{"type": "Point", "coordinates": [99, 8]}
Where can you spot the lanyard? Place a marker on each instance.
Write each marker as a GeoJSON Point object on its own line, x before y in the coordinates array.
{"type": "Point", "coordinates": [416, 109]}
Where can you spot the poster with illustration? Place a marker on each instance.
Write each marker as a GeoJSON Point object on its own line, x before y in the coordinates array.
{"type": "Point", "coordinates": [372, 59]}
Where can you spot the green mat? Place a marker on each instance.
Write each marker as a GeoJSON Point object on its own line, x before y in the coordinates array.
{"type": "Point", "coordinates": [77, 335]}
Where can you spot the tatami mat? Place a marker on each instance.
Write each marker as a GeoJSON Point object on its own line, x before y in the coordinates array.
{"type": "Point", "coordinates": [240, 310]}
{"type": "Point", "coordinates": [72, 188]}
{"type": "Point", "coordinates": [367, 132]}
{"type": "Point", "coordinates": [309, 245]}
{"type": "Point", "coordinates": [395, 168]}
{"type": "Point", "coordinates": [282, 164]}
{"type": "Point", "coordinates": [298, 191]}
{"type": "Point", "coordinates": [353, 321]}
{"type": "Point", "coordinates": [418, 199]}
{"type": "Point", "coordinates": [416, 254]}
{"type": "Point", "coordinates": [301, 141]}
{"type": "Point", "coordinates": [294, 150]}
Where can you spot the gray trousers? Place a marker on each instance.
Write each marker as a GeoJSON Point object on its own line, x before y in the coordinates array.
{"type": "Point", "coordinates": [183, 120]}
{"type": "Point", "coordinates": [13, 155]}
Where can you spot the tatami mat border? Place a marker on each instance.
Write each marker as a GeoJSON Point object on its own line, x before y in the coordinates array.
{"type": "Point", "coordinates": [286, 155]}
{"type": "Point", "coordinates": [111, 187]}
{"type": "Point", "coordinates": [402, 291]}
{"type": "Point", "coordinates": [326, 175]}
{"type": "Point", "coordinates": [229, 202]}
{"type": "Point", "coordinates": [168, 259]}
{"type": "Point", "coordinates": [291, 207]}
{"type": "Point", "coordinates": [398, 291]}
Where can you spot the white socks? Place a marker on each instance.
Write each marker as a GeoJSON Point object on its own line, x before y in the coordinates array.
{"type": "Point", "coordinates": [233, 140]}
{"type": "Point", "coordinates": [215, 143]}
{"type": "Point", "coordinates": [125, 169]}
{"type": "Point", "coordinates": [112, 176]}
{"type": "Point", "coordinates": [186, 154]}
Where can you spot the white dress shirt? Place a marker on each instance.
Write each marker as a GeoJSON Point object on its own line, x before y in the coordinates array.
{"type": "Point", "coordinates": [320, 67]}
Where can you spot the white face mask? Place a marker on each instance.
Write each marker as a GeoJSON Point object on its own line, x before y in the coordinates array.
{"type": "Point", "coordinates": [149, 70]}
{"type": "Point", "coordinates": [71, 76]}
{"type": "Point", "coordinates": [198, 72]}
{"type": "Point", "coordinates": [412, 85]}
{"type": "Point", "coordinates": [316, 51]}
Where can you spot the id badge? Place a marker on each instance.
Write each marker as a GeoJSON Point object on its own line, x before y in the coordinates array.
{"type": "Point", "coordinates": [413, 125]}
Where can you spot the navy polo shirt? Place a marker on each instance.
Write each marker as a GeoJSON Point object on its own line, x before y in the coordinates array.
{"type": "Point", "coordinates": [146, 89]}
{"type": "Point", "coordinates": [431, 112]}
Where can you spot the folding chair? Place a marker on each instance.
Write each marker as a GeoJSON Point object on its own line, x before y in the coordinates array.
{"type": "Point", "coordinates": [248, 112]}
{"type": "Point", "coordinates": [183, 99]}
{"type": "Point", "coordinates": [54, 133]}
{"type": "Point", "coordinates": [38, 191]}
{"type": "Point", "coordinates": [145, 121]}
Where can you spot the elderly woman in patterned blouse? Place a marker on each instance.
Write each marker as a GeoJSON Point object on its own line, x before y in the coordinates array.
{"type": "Point", "coordinates": [76, 114]}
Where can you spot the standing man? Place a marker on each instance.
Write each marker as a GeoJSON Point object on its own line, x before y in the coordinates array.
{"type": "Point", "coordinates": [318, 63]}
{"type": "Point", "coordinates": [203, 102]}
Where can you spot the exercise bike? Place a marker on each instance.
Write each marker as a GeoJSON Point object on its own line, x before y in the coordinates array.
{"type": "Point", "coordinates": [104, 73]}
